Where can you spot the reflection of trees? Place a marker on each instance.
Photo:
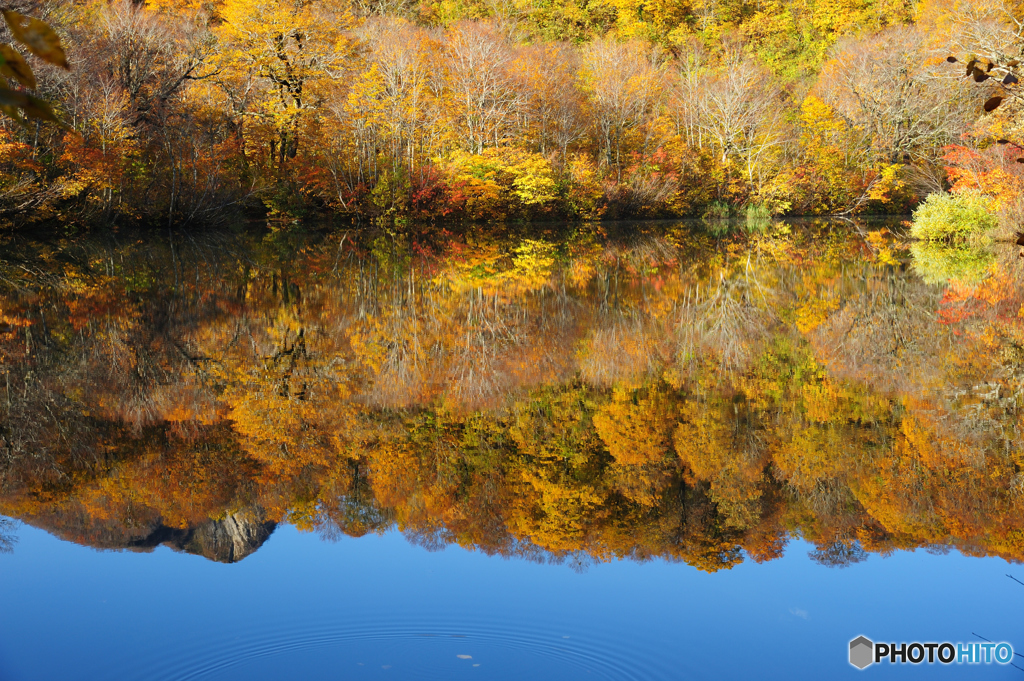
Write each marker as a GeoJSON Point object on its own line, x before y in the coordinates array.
{"type": "Point", "coordinates": [624, 346]}
{"type": "Point", "coordinates": [501, 345]}
{"type": "Point", "coordinates": [7, 537]}
{"type": "Point", "coordinates": [839, 554]}
{"type": "Point", "coordinates": [352, 515]}
{"type": "Point", "coordinates": [885, 332]}
{"type": "Point", "coordinates": [500, 398]}
{"type": "Point", "coordinates": [469, 341]}
{"type": "Point", "coordinates": [727, 319]}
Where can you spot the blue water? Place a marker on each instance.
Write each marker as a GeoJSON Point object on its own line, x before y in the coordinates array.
{"type": "Point", "coordinates": [378, 607]}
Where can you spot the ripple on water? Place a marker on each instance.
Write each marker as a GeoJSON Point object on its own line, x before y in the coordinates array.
{"type": "Point", "coordinates": [426, 650]}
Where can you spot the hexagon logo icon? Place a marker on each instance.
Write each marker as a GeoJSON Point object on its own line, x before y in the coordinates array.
{"type": "Point", "coordinates": [861, 652]}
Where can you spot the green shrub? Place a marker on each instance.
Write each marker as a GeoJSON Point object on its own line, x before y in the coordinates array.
{"type": "Point", "coordinates": [954, 218]}
{"type": "Point", "coordinates": [936, 263]}
{"type": "Point", "coordinates": [716, 218]}
{"type": "Point", "coordinates": [758, 211]}
{"type": "Point", "coordinates": [759, 218]}
{"type": "Point", "coordinates": [716, 210]}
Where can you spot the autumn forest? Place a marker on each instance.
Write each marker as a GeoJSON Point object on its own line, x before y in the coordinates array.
{"type": "Point", "coordinates": [417, 112]}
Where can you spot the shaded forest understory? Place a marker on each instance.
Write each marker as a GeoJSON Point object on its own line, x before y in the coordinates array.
{"type": "Point", "coordinates": [417, 112]}
{"type": "Point", "coordinates": [672, 397]}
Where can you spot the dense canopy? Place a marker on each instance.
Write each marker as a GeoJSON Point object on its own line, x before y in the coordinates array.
{"type": "Point", "coordinates": [418, 112]}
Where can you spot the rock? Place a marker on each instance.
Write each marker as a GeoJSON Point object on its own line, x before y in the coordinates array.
{"type": "Point", "coordinates": [227, 540]}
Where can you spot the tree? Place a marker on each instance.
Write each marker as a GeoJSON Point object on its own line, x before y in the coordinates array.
{"type": "Point", "coordinates": [740, 113]}
{"type": "Point", "coordinates": [150, 57]}
{"type": "Point", "coordinates": [555, 112]}
{"type": "Point", "coordinates": [293, 49]}
{"type": "Point", "coordinates": [478, 64]}
{"type": "Point", "coordinates": [624, 87]}
{"type": "Point", "coordinates": [904, 106]}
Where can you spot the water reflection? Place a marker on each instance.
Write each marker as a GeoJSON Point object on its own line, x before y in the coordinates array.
{"type": "Point", "coordinates": [7, 538]}
{"type": "Point", "coordinates": [672, 396]}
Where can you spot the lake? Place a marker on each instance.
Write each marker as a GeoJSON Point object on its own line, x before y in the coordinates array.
{"type": "Point", "coordinates": [639, 451]}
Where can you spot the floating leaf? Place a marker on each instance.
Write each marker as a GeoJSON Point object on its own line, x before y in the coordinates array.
{"type": "Point", "coordinates": [38, 37]}
{"type": "Point", "coordinates": [993, 103]}
{"type": "Point", "coordinates": [13, 65]}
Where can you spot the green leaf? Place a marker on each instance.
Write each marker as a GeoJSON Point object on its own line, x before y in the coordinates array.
{"type": "Point", "coordinates": [38, 37]}
{"type": "Point", "coordinates": [13, 65]}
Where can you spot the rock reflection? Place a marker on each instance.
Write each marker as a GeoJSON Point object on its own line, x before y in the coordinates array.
{"type": "Point", "coordinates": [664, 397]}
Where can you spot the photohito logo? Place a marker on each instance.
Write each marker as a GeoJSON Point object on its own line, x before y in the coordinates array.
{"type": "Point", "coordinates": [864, 652]}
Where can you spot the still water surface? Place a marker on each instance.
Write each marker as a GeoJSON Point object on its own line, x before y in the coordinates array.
{"type": "Point", "coordinates": [640, 456]}
{"type": "Point", "coordinates": [380, 608]}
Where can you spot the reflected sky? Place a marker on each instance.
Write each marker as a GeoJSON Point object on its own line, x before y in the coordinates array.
{"type": "Point", "coordinates": [379, 608]}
